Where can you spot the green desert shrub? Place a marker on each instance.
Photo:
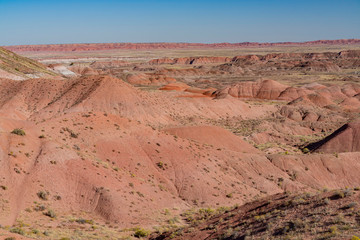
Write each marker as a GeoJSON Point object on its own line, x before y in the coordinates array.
{"type": "Point", "coordinates": [43, 195]}
{"type": "Point", "coordinates": [305, 150]}
{"type": "Point", "coordinates": [18, 131]}
{"type": "Point", "coordinates": [17, 230]}
{"type": "Point", "coordinates": [139, 233]}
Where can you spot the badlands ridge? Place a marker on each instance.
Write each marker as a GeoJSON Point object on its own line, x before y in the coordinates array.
{"type": "Point", "coordinates": [116, 149]}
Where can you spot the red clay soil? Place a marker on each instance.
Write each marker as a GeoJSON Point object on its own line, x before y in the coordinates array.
{"type": "Point", "coordinates": [150, 79]}
{"type": "Point", "coordinates": [86, 127]}
{"type": "Point", "coordinates": [315, 95]}
{"type": "Point", "coordinates": [182, 87]}
{"type": "Point", "coordinates": [216, 136]}
{"type": "Point", "coordinates": [329, 215]}
{"type": "Point", "coordinates": [262, 89]}
{"type": "Point", "coordinates": [83, 70]}
{"type": "Point", "coordinates": [292, 93]}
{"type": "Point", "coordinates": [344, 139]}
{"type": "Point", "coordinates": [97, 147]}
{"type": "Point", "coordinates": [351, 104]}
{"type": "Point", "coordinates": [314, 99]}
{"type": "Point", "coordinates": [175, 87]}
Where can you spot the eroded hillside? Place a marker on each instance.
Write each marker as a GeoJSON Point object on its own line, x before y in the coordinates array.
{"type": "Point", "coordinates": [16, 67]}
{"type": "Point", "coordinates": [120, 145]}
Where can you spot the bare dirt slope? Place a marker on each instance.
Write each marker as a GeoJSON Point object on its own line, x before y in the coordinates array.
{"type": "Point", "coordinates": [89, 147]}
{"type": "Point", "coordinates": [95, 155]}
{"type": "Point", "coordinates": [13, 66]}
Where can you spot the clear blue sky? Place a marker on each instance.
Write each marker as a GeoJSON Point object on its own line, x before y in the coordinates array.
{"type": "Point", "coordinates": [88, 21]}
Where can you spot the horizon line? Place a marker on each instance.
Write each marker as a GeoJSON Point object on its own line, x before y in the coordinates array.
{"type": "Point", "coordinates": [199, 43]}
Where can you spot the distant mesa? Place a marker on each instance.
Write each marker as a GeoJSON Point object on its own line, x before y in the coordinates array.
{"type": "Point", "coordinates": [316, 62]}
{"type": "Point", "coordinates": [107, 46]}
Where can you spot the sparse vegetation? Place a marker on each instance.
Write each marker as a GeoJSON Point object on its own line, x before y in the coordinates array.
{"type": "Point", "coordinates": [18, 131]}
{"type": "Point", "coordinates": [50, 213]}
{"type": "Point", "coordinates": [125, 150]}
{"type": "Point", "coordinates": [39, 207]}
{"type": "Point", "coordinates": [229, 195]}
{"type": "Point", "coordinates": [17, 230]}
{"type": "Point", "coordinates": [43, 195]}
{"type": "Point", "coordinates": [84, 221]}
{"type": "Point", "coordinates": [305, 150]}
{"type": "Point", "coordinates": [160, 165]}
{"type": "Point", "coordinates": [140, 233]}
{"type": "Point", "coordinates": [302, 215]}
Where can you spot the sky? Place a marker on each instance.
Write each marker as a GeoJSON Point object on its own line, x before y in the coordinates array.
{"type": "Point", "coordinates": [200, 21]}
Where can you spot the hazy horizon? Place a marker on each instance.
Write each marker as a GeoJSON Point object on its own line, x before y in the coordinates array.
{"type": "Point", "coordinates": [181, 42]}
{"type": "Point", "coordinates": [50, 22]}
